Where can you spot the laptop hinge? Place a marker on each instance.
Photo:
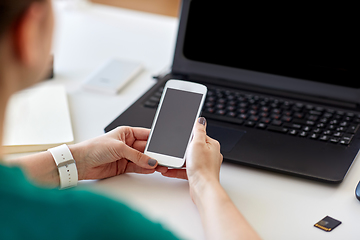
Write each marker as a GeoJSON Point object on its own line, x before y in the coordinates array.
{"type": "Point", "coordinates": [168, 71]}
{"type": "Point", "coordinates": [254, 88]}
{"type": "Point", "coordinates": [165, 71]}
{"type": "Point", "coordinates": [331, 102]}
{"type": "Point", "coordinates": [263, 90]}
{"type": "Point", "coordinates": [305, 97]}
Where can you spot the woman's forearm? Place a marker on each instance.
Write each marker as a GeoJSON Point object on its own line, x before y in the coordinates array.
{"type": "Point", "coordinates": [39, 168]}
{"type": "Point", "coordinates": [220, 217]}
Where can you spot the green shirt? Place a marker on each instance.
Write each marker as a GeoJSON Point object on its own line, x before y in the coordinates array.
{"type": "Point", "coordinates": [30, 212]}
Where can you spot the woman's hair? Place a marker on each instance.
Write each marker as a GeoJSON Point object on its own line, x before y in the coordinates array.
{"type": "Point", "coordinates": [10, 12]}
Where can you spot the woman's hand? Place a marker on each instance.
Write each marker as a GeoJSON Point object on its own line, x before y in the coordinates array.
{"type": "Point", "coordinates": [203, 159]}
{"type": "Point", "coordinates": [220, 217]}
{"type": "Point", "coordinates": [116, 152]}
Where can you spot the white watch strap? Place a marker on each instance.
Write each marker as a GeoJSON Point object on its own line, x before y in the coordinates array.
{"type": "Point", "coordinates": [66, 166]}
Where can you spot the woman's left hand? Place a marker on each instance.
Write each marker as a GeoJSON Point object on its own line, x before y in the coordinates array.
{"type": "Point", "coordinates": [116, 152]}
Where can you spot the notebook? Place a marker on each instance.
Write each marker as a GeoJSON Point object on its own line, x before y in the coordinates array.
{"type": "Point", "coordinates": [36, 119]}
{"type": "Point", "coordinates": [283, 83]}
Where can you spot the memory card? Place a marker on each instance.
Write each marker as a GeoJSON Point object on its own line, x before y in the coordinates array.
{"type": "Point", "coordinates": [327, 223]}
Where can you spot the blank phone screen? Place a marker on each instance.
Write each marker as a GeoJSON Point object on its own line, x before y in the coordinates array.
{"type": "Point", "coordinates": [175, 122]}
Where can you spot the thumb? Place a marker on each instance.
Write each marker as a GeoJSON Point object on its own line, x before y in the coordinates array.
{"type": "Point", "coordinates": [200, 130]}
{"type": "Point", "coordinates": [137, 157]}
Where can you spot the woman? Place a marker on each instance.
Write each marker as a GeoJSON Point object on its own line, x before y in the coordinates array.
{"type": "Point", "coordinates": [33, 212]}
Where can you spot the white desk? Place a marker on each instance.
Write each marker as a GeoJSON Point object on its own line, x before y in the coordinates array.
{"type": "Point", "coordinates": [277, 206]}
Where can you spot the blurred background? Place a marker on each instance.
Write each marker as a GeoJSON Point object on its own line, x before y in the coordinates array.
{"type": "Point", "coordinates": [164, 7]}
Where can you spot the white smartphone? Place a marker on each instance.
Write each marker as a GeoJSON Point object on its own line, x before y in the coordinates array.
{"type": "Point", "coordinates": [172, 129]}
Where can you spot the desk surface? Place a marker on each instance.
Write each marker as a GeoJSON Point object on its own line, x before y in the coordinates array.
{"type": "Point", "coordinates": [277, 206]}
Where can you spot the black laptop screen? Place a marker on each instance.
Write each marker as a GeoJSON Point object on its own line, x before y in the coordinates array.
{"type": "Point", "coordinates": [299, 40]}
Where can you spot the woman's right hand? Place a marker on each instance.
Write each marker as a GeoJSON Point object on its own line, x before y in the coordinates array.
{"type": "Point", "coordinates": [220, 217]}
{"type": "Point", "coordinates": [203, 159]}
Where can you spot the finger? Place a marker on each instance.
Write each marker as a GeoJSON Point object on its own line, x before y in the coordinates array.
{"type": "Point", "coordinates": [133, 168]}
{"type": "Point", "coordinates": [214, 143]}
{"type": "Point", "coordinates": [200, 130]}
{"type": "Point", "coordinates": [175, 173]}
{"type": "Point", "coordinates": [135, 156]}
{"type": "Point", "coordinates": [141, 133]}
{"type": "Point", "coordinates": [139, 145]}
{"type": "Point", "coordinates": [161, 169]}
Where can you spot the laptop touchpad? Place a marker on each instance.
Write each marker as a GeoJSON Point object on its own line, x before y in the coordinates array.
{"type": "Point", "coordinates": [227, 137]}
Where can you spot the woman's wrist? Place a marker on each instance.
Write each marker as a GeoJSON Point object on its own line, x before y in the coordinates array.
{"type": "Point", "coordinates": [76, 151]}
{"type": "Point", "coordinates": [199, 184]}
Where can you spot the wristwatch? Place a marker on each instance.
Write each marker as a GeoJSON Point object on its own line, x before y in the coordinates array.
{"type": "Point", "coordinates": [66, 166]}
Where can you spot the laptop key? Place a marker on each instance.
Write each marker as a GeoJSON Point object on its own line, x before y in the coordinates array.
{"type": "Point", "coordinates": [250, 123]}
{"type": "Point", "coordinates": [231, 114]}
{"type": "Point", "coordinates": [323, 120]}
{"type": "Point", "coordinates": [317, 130]}
{"type": "Point", "coordinates": [313, 112]}
{"type": "Point", "coordinates": [209, 104]}
{"type": "Point", "coordinates": [334, 139]}
{"type": "Point", "coordinates": [276, 122]}
{"type": "Point", "coordinates": [337, 134]}
{"type": "Point", "coordinates": [303, 122]}
{"type": "Point", "coordinates": [327, 132]}
{"type": "Point", "coordinates": [277, 129]}
{"type": "Point", "coordinates": [344, 124]}
{"type": "Point", "coordinates": [314, 136]}
{"type": "Point", "coordinates": [220, 112]}
{"type": "Point", "coordinates": [265, 120]}
{"type": "Point", "coordinates": [345, 142]}
{"type": "Point", "coordinates": [334, 122]}
{"type": "Point", "coordinates": [346, 139]}
{"type": "Point", "coordinates": [312, 118]}
{"type": "Point", "coordinates": [307, 128]}
{"type": "Point", "coordinates": [298, 115]}
{"type": "Point", "coordinates": [242, 116]}
{"type": "Point", "coordinates": [331, 127]}
{"type": "Point", "coordinates": [254, 118]}
{"type": "Point", "coordinates": [303, 134]}
{"type": "Point", "coordinates": [292, 125]}
{"type": "Point", "coordinates": [220, 106]}
{"type": "Point", "coordinates": [210, 110]}
{"type": "Point", "coordinates": [286, 119]}
{"type": "Point", "coordinates": [293, 132]}
{"type": "Point", "coordinates": [155, 99]}
{"type": "Point", "coordinates": [324, 138]}
{"type": "Point", "coordinates": [347, 136]}
{"type": "Point", "coordinates": [353, 128]}
{"type": "Point", "coordinates": [150, 104]}
{"type": "Point", "coordinates": [341, 129]}
{"type": "Point", "coordinates": [261, 125]}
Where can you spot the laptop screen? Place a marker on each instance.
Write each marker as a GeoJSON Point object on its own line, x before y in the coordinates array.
{"type": "Point", "coordinates": [298, 40]}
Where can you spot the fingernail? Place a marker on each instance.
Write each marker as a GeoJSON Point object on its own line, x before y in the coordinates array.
{"type": "Point", "coordinates": [152, 162]}
{"type": "Point", "coordinates": [202, 120]}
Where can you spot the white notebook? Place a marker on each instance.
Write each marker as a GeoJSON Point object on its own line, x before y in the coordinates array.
{"type": "Point", "coordinates": [36, 119]}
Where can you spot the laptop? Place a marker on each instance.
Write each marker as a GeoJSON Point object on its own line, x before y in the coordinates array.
{"type": "Point", "coordinates": [283, 84]}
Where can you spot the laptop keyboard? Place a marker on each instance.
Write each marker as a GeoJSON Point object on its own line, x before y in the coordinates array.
{"type": "Point", "coordinates": [266, 113]}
